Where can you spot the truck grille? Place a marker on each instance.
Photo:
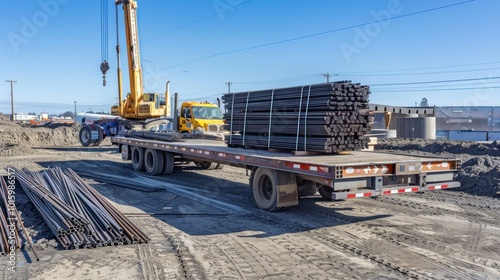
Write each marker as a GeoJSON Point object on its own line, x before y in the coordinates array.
{"type": "Point", "coordinates": [215, 127]}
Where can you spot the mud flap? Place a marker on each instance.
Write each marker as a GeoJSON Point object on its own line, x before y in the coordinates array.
{"type": "Point", "coordinates": [287, 189]}
{"type": "Point", "coordinates": [125, 153]}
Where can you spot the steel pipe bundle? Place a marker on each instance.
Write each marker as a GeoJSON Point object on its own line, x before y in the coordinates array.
{"type": "Point", "coordinates": [78, 215]}
{"type": "Point", "coordinates": [328, 117]}
{"type": "Point", "coordinates": [9, 238]}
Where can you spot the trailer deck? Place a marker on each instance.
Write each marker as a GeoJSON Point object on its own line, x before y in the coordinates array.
{"type": "Point", "coordinates": [336, 176]}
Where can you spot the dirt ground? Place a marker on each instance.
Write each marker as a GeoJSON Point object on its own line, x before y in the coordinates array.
{"type": "Point", "coordinates": [204, 224]}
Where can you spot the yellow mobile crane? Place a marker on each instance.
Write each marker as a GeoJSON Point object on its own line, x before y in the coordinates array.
{"type": "Point", "coordinates": [138, 105]}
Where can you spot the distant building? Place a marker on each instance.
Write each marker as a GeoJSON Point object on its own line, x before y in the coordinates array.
{"type": "Point", "coordinates": [24, 117]}
{"type": "Point", "coordinates": [43, 117]}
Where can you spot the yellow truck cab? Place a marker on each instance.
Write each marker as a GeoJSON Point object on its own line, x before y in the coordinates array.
{"type": "Point", "coordinates": [201, 116]}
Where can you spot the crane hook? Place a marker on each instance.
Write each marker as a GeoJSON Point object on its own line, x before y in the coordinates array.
{"type": "Point", "coordinates": [104, 69]}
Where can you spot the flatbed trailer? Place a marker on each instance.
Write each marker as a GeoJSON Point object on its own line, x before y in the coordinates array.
{"type": "Point", "coordinates": [279, 178]}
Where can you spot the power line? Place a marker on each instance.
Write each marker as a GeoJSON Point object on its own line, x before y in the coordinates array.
{"type": "Point", "coordinates": [278, 80]}
{"type": "Point", "coordinates": [59, 90]}
{"type": "Point", "coordinates": [318, 34]}
{"type": "Point", "coordinates": [435, 87]}
{"type": "Point", "coordinates": [435, 82]}
{"type": "Point", "coordinates": [328, 75]}
{"type": "Point", "coordinates": [34, 103]}
{"type": "Point", "coordinates": [56, 80]}
{"type": "Point", "coordinates": [425, 68]}
{"type": "Point", "coordinates": [282, 41]}
{"type": "Point", "coordinates": [422, 73]}
{"type": "Point", "coordinates": [445, 89]}
{"type": "Point", "coordinates": [196, 21]}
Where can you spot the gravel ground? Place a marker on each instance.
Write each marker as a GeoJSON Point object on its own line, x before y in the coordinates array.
{"type": "Point", "coordinates": [205, 225]}
{"type": "Point", "coordinates": [480, 174]}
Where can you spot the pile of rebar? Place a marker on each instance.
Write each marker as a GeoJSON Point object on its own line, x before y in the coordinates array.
{"type": "Point", "coordinates": [9, 239]}
{"type": "Point", "coordinates": [78, 215]}
{"type": "Point", "coordinates": [327, 117]}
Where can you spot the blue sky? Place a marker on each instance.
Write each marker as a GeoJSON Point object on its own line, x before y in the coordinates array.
{"type": "Point", "coordinates": [446, 51]}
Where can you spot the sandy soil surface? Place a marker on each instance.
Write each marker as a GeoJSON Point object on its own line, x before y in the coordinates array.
{"type": "Point", "coordinates": [204, 224]}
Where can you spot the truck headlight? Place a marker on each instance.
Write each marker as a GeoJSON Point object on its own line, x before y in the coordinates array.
{"type": "Point", "coordinates": [198, 130]}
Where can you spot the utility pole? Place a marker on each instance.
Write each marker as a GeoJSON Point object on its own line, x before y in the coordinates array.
{"type": "Point", "coordinates": [229, 87]}
{"type": "Point", "coordinates": [11, 97]}
{"type": "Point", "coordinates": [74, 116]}
{"type": "Point", "coordinates": [328, 75]}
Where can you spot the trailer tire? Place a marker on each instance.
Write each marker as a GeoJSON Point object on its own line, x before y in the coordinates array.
{"type": "Point", "coordinates": [265, 189]}
{"type": "Point", "coordinates": [208, 165]}
{"type": "Point", "coordinates": [169, 163]}
{"type": "Point", "coordinates": [153, 161]}
{"type": "Point", "coordinates": [219, 166]}
{"type": "Point", "coordinates": [137, 158]}
{"type": "Point", "coordinates": [100, 135]}
{"type": "Point", "coordinates": [85, 136]}
{"type": "Point", "coordinates": [326, 192]}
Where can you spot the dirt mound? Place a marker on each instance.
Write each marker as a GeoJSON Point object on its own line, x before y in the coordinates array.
{"type": "Point", "coordinates": [480, 173]}
{"type": "Point", "coordinates": [440, 146]}
{"type": "Point", "coordinates": [3, 118]}
{"type": "Point", "coordinates": [480, 176]}
{"type": "Point", "coordinates": [16, 140]}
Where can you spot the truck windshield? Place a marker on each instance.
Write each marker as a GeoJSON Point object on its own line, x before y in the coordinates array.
{"type": "Point", "coordinates": [200, 112]}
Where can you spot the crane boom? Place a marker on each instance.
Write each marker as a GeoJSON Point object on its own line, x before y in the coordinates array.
{"type": "Point", "coordinates": [134, 61]}
{"type": "Point", "coordinates": [138, 105]}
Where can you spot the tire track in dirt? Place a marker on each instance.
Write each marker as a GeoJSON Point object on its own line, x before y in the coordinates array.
{"type": "Point", "coordinates": [191, 269]}
{"type": "Point", "coordinates": [146, 262]}
{"type": "Point", "coordinates": [437, 209]}
{"type": "Point", "coordinates": [475, 236]}
{"type": "Point", "coordinates": [344, 242]}
{"type": "Point", "coordinates": [166, 256]}
{"type": "Point", "coordinates": [353, 228]}
{"type": "Point", "coordinates": [408, 237]}
{"type": "Point", "coordinates": [278, 257]}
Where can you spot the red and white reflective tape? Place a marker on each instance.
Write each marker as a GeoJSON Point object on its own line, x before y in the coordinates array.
{"type": "Point", "coordinates": [355, 195]}
{"type": "Point", "coordinates": [438, 187]}
{"type": "Point", "coordinates": [304, 166]}
{"type": "Point", "coordinates": [345, 195]}
{"type": "Point", "coordinates": [407, 190]}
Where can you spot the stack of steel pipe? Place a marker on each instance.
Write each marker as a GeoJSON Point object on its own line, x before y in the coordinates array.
{"type": "Point", "coordinates": [9, 239]}
{"type": "Point", "coordinates": [78, 215]}
{"type": "Point", "coordinates": [328, 117]}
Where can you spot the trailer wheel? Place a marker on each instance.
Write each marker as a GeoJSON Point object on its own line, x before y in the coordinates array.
{"type": "Point", "coordinates": [100, 136]}
{"type": "Point", "coordinates": [326, 192]}
{"type": "Point", "coordinates": [207, 165]}
{"type": "Point", "coordinates": [265, 189]}
{"type": "Point", "coordinates": [85, 136]}
{"type": "Point", "coordinates": [153, 161]}
{"type": "Point", "coordinates": [137, 158]}
{"type": "Point", "coordinates": [219, 166]}
{"type": "Point", "coordinates": [169, 163]}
